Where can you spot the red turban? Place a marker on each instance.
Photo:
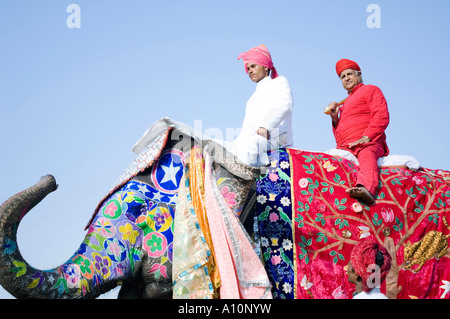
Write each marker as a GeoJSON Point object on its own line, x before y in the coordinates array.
{"type": "Point", "coordinates": [344, 64]}
{"type": "Point", "coordinates": [259, 55]}
{"type": "Point", "coordinates": [365, 254]}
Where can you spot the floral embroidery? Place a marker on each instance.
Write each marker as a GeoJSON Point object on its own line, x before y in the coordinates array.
{"type": "Point", "coordinates": [287, 244]}
{"type": "Point", "coordinates": [276, 259]}
{"type": "Point", "coordinates": [261, 199]}
{"type": "Point", "coordinates": [273, 217]}
{"type": "Point", "coordinates": [274, 212]}
{"type": "Point", "coordinates": [284, 164]}
{"type": "Point", "coordinates": [285, 201]}
{"type": "Point", "coordinates": [357, 208]}
{"type": "Point", "coordinates": [418, 180]}
{"type": "Point", "coordinates": [287, 288]}
{"type": "Point", "coordinates": [264, 242]}
{"type": "Point", "coordinates": [303, 183]}
{"type": "Point", "coordinates": [229, 196]}
{"type": "Point", "coordinates": [273, 177]}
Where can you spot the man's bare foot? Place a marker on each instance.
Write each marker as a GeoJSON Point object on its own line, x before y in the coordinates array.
{"type": "Point", "coordinates": [362, 193]}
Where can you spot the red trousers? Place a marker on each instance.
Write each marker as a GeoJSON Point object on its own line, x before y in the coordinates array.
{"type": "Point", "coordinates": [368, 175]}
{"type": "Point", "coordinates": [367, 155]}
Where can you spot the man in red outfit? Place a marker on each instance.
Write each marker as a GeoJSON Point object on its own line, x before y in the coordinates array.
{"type": "Point", "coordinates": [359, 127]}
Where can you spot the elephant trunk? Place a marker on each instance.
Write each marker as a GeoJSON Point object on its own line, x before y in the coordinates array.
{"type": "Point", "coordinates": [17, 276]}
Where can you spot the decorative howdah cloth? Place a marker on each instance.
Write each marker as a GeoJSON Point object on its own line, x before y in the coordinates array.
{"type": "Point", "coordinates": [197, 197]}
{"type": "Point", "coordinates": [241, 271]}
{"type": "Point", "coordinates": [213, 256]}
{"type": "Point", "coordinates": [274, 215]}
{"type": "Point", "coordinates": [308, 226]}
{"type": "Point", "coordinates": [195, 274]}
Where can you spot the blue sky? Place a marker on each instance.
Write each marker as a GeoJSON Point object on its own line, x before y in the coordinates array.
{"type": "Point", "coordinates": [74, 101]}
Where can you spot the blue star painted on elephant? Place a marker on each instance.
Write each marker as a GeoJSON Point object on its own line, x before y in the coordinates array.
{"type": "Point", "coordinates": [170, 173]}
{"type": "Point", "coordinates": [167, 173]}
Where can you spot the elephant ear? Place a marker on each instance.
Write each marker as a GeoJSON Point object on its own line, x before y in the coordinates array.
{"type": "Point", "coordinates": [229, 161]}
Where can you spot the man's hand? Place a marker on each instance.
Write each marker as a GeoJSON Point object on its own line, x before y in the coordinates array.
{"type": "Point", "coordinates": [361, 141]}
{"type": "Point", "coordinates": [263, 132]}
{"type": "Point", "coordinates": [333, 110]}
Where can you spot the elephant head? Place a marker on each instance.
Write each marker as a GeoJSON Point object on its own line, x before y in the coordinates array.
{"type": "Point", "coordinates": [129, 238]}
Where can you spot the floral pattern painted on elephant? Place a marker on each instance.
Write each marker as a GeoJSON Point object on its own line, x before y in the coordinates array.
{"type": "Point", "coordinates": [133, 217]}
{"type": "Point", "coordinates": [134, 221]}
{"type": "Point", "coordinates": [137, 219]}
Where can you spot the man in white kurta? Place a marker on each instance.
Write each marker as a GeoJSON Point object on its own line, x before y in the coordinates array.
{"type": "Point", "coordinates": [267, 123]}
{"type": "Point", "coordinates": [270, 107]}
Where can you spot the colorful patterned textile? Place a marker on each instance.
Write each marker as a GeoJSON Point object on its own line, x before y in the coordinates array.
{"type": "Point", "coordinates": [309, 225]}
{"type": "Point", "coordinates": [213, 255]}
{"type": "Point", "coordinates": [194, 272]}
{"type": "Point", "coordinates": [241, 271]}
{"type": "Point", "coordinates": [274, 209]}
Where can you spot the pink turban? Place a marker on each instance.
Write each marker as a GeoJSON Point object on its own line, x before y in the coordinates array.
{"type": "Point", "coordinates": [367, 253]}
{"type": "Point", "coordinates": [259, 55]}
{"type": "Point", "coordinates": [344, 64]}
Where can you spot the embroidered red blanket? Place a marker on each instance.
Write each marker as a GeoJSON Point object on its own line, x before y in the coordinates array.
{"type": "Point", "coordinates": [308, 226]}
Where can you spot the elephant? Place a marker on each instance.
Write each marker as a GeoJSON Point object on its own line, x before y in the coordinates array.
{"type": "Point", "coordinates": [302, 224]}
{"type": "Point", "coordinates": [129, 239]}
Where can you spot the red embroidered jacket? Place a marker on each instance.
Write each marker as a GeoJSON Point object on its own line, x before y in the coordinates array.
{"type": "Point", "coordinates": [364, 113]}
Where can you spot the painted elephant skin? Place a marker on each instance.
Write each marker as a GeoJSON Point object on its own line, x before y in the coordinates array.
{"type": "Point", "coordinates": [129, 238]}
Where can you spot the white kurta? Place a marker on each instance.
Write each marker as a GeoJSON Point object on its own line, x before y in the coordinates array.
{"type": "Point", "coordinates": [375, 293]}
{"type": "Point", "coordinates": [270, 107]}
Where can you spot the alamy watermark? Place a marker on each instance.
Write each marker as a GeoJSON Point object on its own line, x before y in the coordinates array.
{"type": "Point", "coordinates": [374, 280]}
{"type": "Point", "coordinates": [374, 19]}
{"type": "Point", "coordinates": [221, 146]}
{"type": "Point", "coordinates": [73, 21]}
